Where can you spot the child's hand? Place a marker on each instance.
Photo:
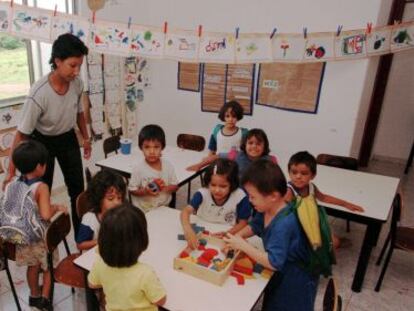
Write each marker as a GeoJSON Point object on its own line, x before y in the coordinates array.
{"type": "Point", "coordinates": [194, 168]}
{"type": "Point", "coordinates": [61, 208]}
{"type": "Point", "coordinates": [354, 208]}
{"type": "Point", "coordinates": [234, 241]}
{"type": "Point", "coordinates": [192, 239]}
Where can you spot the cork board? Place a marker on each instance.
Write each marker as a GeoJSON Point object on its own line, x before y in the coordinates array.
{"type": "Point", "coordinates": [240, 84]}
{"type": "Point", "coordinates": [189, 77]}
{"type": "Point", "coordinates": [213, 92]}
{"type": "Point", "coordinates": [293, 87]}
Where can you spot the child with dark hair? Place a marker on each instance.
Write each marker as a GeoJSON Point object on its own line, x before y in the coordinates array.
{"type": "Point", "coordinates": [221, 201]}
{"type": "Point", "coordinates": [227, 136]}
{"type": "Point", "coordinates": [302, 170]}
{"type": "Point", "coordinates": [30, 158]}
{"type": "Point", "coordinates": [285, 246]}
{"type": "Point", "coordinates": [153, 180]}
{"type": "Point", "coordinates": [106, 190]}
{"type": "Point", "coordinates": [255, 145]}
{"type": "Point", "coordinates": [127, 283]}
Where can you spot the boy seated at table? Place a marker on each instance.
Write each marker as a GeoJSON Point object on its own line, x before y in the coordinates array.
{"type": "Point", "coordinates": [153, 180]}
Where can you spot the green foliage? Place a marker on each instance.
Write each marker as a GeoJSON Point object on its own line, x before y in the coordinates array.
{"type": "Point", "coordinates": [10, 43]}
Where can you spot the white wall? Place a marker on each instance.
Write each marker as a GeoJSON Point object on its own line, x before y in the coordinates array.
{"type": "Point", "coordinates": [330, 130]}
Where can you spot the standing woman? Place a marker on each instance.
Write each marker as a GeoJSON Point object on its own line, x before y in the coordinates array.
{"type": "Point", "coordinates": [50, 113]}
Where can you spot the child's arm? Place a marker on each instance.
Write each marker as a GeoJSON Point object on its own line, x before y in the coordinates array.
{"type": "Point", "coordinates": [189, 233]}
{"type": "Point", "coordinates": [86, 245]}
{"type": "Point", "coordinates": [239, 226]}
{"type": "Point", "coordinates": [170, 188]}
{"type": "Point", "coordinates": [205, 161]}
{"type": "Point", "coordinates": [289, 196]}
{"type": "Point", "coordinates": [334, 200]}
{"type": "Point", "coordinates": [47, 210]}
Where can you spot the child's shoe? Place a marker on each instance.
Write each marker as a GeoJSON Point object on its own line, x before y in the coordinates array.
{"type": "Point", "coordinates": [36, 302]}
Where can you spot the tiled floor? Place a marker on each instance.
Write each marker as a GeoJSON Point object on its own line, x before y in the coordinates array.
{"type": "Point", "coordinates": [397, 292]}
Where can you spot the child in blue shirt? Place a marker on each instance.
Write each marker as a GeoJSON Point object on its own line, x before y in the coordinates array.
{"type": "Point", "coordinates": [228, 135]}
{"type": "Point", "coordinates": [286, 249]}
{"type": "Point", "coordinates": [221, 201]}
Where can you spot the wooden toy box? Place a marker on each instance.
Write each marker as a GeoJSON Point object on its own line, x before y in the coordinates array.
{"type": "Point", "coordinates": [206, 273]}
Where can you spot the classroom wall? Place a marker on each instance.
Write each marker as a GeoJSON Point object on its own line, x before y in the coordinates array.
{"type": "Point", "coordinates": [331, 130]}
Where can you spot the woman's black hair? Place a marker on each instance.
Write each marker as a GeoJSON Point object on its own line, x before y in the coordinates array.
{"type": "Point", "coordinates": [260, 135]}
{"type": "Point", "coordinates": [236, 110]}
{"type": "Point", "coordinates": [151, 132]}
{"type": "Point", "coordinates": [99, 185]}
{"type": "Point", "coordinates": [28, 154]}
{"type": "Point", "coordinates": [224, 167]}
{"type": "Point", "coordinates": [123, 236]}
{"type": "Point", "coordinates": [65, 46]}
{"type": "Point", "coordinates": [266, 176]}
{"type": "Point", "coordinates": [303, 157]}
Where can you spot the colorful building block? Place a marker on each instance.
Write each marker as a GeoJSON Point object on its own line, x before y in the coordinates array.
{"type": "Point", "coordinates": [239, 277]}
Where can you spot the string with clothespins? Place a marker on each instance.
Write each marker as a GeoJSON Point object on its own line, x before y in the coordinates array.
{"type": "Point", "coordinates": [11, 3]}
{"type": "Point", "coordinates": [129, 22]}
{"type": "Point", "coordinates": [338, 30]}
{"type": "Point", "coordinates": [305, 32]}
{"type": "Point", "coordinates": [368, 29]}
{"type": "Point", "coordinates": [200, 30]}
{"type": "Point", "coordinates": [237, 32]}
{"type": "Point", "coordinates": [165, 28]}
{"type": "Point", "coordinates": [272, 34]}
{"type": "Point", "coordinates": [55, 11]}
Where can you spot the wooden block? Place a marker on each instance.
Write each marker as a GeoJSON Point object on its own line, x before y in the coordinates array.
{"type": "Point", "coordinates": [258, 268]}
{"type": "Point", "coordinates": [181, 237]}
{"type": "Point", "coordinates": [242, 269]}
{"type": "Point", "coordinates": [209, 254]}
{"type": "Point", "coordinates": [244, 262]}
{"type": "Point", "coordinates": [184, 254]}
{"type": "Point", "coordinates": [239, 277]}
{"type": "Point", "coordinates": [266, 273]}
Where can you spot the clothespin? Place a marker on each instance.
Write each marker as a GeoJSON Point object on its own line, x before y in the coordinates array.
{"type": "Point", "coordinates": [93, 17]}
{"type": "Point", "coordinates": [165, 27]}
{"type": "Point", "coordinates": [11, 3]}
{"type": "Point", "coordinates": [338, 30]}
{"type": "Point", "coordinates": [305, 32]}
{"type": "Point", "coordinates": [55, 11]}
{"type": "Point", "coordinates": [200, 30]}
{"type": "Point", "coordinates": [129, 22]}
{"type": "Point", "coordinates": [369, 28]}
{"type": "Point", "coordinates": [273, 33]}
{"type": "Point", "coordinates": [237, 32]}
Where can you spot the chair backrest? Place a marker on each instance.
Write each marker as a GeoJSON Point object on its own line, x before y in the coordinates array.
{"type": "Point", "coordinates": [58, 229]}
{"type": "Point", "coordinates": [331, 300]}
{"type": "Point", "coordinates": [8, 250]}
{"type": "Point", "coordinates": [191, 142]}
{"type": "Point", "coordinates": [82, 204]}
{"type": "Point", "coordinates": [348, 163]}
{"type": "Point", "coordinates": [88, 175]}
{"type": "Point", "coordinates": [111, 144]}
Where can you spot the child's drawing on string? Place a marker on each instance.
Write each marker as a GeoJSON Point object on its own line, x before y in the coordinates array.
{"type": "Point", "coordinates": [402, 37]}
{"type": "Point", "coordinates": [181, 45]}
{"type": "Point", "coordinates": [319, 47]}
{"type": "Point", "coordinates": [288, 47]}
{"type": "Point", "coordinates": [220, 47]}
{"type": "Point", "coordinates": [32, 23]}
{"type": "Point", "coordinates": [378, 41]}
{"type": "Point", "coordinates": [147, 41]}
{"type": "Point", "coordinates": [4, 16]}
{"type": "Point", "coordinates": [70, 24]}
{"type": "Point", "coordinates": [350, 44]}
{"type": "Point", "coordinates": [253, 48]}
{"type": "Point", "coordinates": [109, 38]}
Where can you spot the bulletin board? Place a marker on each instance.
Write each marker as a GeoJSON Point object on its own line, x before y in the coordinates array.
{"type": "Point", "coordinates": [213, 92]}
{"type": "Point", "coordinates": [240, 84]}
{"type": "Point", "coordinates": [188, 78]}
{"type": "Point", "coordinates": [290, 86]}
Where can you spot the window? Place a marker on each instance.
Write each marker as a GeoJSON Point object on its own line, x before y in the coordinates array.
{"type": "Point", "coordinates": [24, 61]}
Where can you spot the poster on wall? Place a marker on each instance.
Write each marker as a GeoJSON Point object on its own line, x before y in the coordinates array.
{"type": "Point", "coordinates": [379, 41]}
{"type": "Point", "coordinates": [188, 77]}
{"type": "Point", "coordinates": [219, 47]}
{"type": "Point", "coordinates": [293, 87]}
{"type": "Point", "coordinates": [67, 23]}
{"type": "Point", "coordinates": [181, 46]}
{"type": "Point", "coordinates": [288, 47]}
{"type": "Point", "coordinates": [31, 23]}
{"type": "Point", "coordinates": [319, 47]}
{"type": "Point", "coordinates": [112, 38]}
{"type": "Point", "coordinates": [213, 89]}
{"type": "Point", "coordinates": [4, 16]}
{"type": "Point", "coordinates": [147, 41]}
{"type": "Point", "coordinates": [252, 48]}
{"type": "Point", "coordinates": [240, 84]}
{"type": "Point", "coordinates": [350, 44]}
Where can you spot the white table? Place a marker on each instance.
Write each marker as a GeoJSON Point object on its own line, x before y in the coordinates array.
{"type": "Point", "coordinates": [375, 193]}
{"type": "Point", "coordinates": [184, 292]}
{"type": "Point", "coordinates": [178, 157]}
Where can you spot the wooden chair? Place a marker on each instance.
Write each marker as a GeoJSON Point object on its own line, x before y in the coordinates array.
{"type": "Point", "coordinates": [88, 175]}
{"type": "Point", "coordinates": [8, 252]}
{"type": "Point", "coordinates": [399, 237]}
{"type": "Point", "coordinates": [332, 301]}
{"type": "Point", "coordinates": [347, 163]}
{"type": "Point", "coordinates": [82, 204]}
{"type": "Point", "coordinates": [66, 272]}
{"type": "Point", "coordinates": [191, 142]}
{"type": "Point", "coordinates": [111, 144]}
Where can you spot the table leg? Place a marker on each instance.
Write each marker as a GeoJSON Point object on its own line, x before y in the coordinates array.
{"type": "Point", "coordinates": [370, 239]}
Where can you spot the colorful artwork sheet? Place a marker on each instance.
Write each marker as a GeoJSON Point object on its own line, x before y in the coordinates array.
{"type": "Point", "coordinates": [66, 23]}
{"type": "Point", "coordinates": [253, 48]}
{"type": "Point", "coordinates": [402, 37]}
{"type": "Point", "coordinates": [219, 47]}
{"type": "Point", "coordinates": [379, 41]}
{"type": "Point", "coordinates": [319, 47]}
{"type": "Point", "coordinates": [293, 87]}
{"type": "Point", "coordinates": [147, 41]}
{"type": "Point", "coordinates": [288, 47]}
{"type": "Point", "coordinates": [110, 38]}
{"type": "Point", "coordinates": [182, 46]}
{"type": "Point", "coordinates": [350, 44]}
{"type": "Point", "coordinates": [31, 23]}
{"type": "Point", "coordinates": [5, 14]}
